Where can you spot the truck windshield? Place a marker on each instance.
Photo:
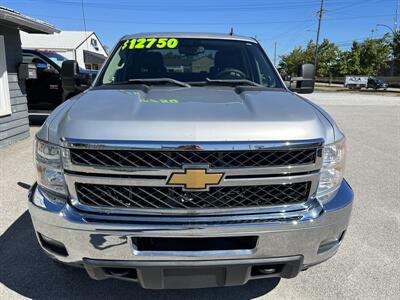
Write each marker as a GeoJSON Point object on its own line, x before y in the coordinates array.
{"type": "Point", "coordinates": [190, 60]}
{"type": "Point", "coordinates": [55, 57]}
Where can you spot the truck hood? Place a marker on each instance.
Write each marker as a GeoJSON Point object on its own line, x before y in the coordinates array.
{"type": "Point", "coordinates": [189, 114]}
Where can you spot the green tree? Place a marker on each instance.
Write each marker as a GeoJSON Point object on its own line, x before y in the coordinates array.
{"type": "Point", "coordinates": [375, 55]}
{"type": "Point", "coordinates": [309, 52]}
{"type": "Point", "coordinates": [354, 60]}
{"type": "Point", "coordinates": [395, 44]}
{"type": "Point", "coordinates": [343, 64]}
{"type": "Point", "coordinates": [328, 56]}
{"type": "Point", "coordinates": [364, 58]}
{"type": "Point", "coordinates": [291, 61]}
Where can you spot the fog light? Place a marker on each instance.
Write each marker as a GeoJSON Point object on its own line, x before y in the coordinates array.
{"type": "Point", "coordinates": [38, 198]}
{"type": "Point", "coordinates": [330, 243]}
{"type": "Point", "coordinates": [47, 200]}
{"type": "Point", "coordinates": [52, 245]}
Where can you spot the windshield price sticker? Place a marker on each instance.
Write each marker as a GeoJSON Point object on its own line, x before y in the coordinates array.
{"type": "Point", "coordinates": [148, 43]}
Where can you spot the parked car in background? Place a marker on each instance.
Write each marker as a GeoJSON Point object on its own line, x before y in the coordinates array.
{"type": "Point", "coordinates": [376, 83]}
{"type": "Point", "coordinates": [45, 93]}
{"type": "Point", "coordinates": [359, 82]}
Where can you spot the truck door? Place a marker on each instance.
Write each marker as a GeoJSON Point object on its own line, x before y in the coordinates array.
{"type": "Point", "coordinates": [45, 92]}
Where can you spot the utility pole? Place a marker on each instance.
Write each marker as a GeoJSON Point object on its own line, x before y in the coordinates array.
{"type": "Point", "coordinates": [321, 12]}
{"type": "Point", "coordinates": [275, 54]}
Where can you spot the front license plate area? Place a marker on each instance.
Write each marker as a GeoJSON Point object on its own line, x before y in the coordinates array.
{"type": "Point", "coordinates": [177, 244]}
{"type": "Point", "coordinates": [195, 277]}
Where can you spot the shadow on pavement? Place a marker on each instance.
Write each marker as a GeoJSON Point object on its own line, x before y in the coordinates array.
{"type": "Point", "coordinates": [29, 272]}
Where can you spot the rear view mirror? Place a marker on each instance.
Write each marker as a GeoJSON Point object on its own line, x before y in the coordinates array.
{"type": "Point", "coordinates": [305, 81]}
{"type": "Point", "coordinates": [191, 50]}
{"type": "Point", "coordinates": [73, 80]}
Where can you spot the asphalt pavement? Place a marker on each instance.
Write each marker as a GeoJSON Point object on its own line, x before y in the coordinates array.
{"type": "Point", "coordinates": [367, 265]}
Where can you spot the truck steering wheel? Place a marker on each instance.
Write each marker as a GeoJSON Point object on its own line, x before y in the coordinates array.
{"type": "Point", "coordinates": [234, 73]}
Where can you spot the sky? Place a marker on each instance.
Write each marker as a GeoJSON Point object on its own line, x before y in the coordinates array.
{"type": "Point", "coordinates": [287, 23]}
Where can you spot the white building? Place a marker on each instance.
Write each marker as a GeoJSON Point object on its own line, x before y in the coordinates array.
{"type": "Point", "coordinates": [84, 47]}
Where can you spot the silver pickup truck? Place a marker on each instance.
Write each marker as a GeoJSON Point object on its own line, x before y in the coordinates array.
{"type": "Point", "coordinates": [189, 163]}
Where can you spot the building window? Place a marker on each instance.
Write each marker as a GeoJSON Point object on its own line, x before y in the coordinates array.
{"type": "Point", "coordinates": [5, 102]}
{"type": "Point", "coordinates": [93, 42]}
{"type": "Point", "coordinates": [92, 67]}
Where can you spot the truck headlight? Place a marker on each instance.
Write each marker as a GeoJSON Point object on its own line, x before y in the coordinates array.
{"type": "Point", "coordinates": [50, 173]}
{"type": "Point", "coordinates": [332, 170]}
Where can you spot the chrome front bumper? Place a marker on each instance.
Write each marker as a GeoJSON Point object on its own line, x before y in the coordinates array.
{"type": "Point", "coordinates": [315, 238]}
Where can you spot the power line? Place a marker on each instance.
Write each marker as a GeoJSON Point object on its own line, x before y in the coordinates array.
{"type": "Point", "coordinates": [295, 33]}
{"type": "Point", "coordinates": [168, 6]}
{"type": "Point", "coordinates": [362, 2]}
{"type": "Point", "coordinates": [187, 7]}
{"type": "Point", "coordinates": [210, 23]}
{"type": "Point", "coordinates": [84, 24]}
{"type": "Point", "coordinates": [342, 43]}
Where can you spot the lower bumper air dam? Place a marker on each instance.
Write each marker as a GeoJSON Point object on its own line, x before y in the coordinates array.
{"type": "Point", "coordinates": [193, 274]}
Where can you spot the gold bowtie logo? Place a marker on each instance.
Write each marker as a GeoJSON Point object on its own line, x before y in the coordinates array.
{"type": "Point", "coordinates": [195, 179]}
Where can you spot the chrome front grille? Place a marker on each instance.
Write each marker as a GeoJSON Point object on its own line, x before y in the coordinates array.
{"type": "Point", "coordinates": [177, 159]}
{"type": "Point", "coordinates": [192, 221]}
{"type": "Point", "coordinates": [121, 196]}
{"type": "Point", "coordinates": [118, 178]}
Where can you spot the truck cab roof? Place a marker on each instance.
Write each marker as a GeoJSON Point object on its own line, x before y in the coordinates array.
{"type": "Point", "coordinates": [199, 35]}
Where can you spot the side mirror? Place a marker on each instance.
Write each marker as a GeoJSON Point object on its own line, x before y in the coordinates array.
{"type": "Point", "coordinates": [305, 81]}
{"type": "Point", "coordinates": [69, 76]}
{"type": "Point", "coordinates": [72, 79]}
{"type": "Point", "coordinates": [27, 71]}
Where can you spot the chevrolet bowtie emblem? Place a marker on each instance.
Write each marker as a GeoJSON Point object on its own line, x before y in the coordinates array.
{"type": "Point", "coordinates": [195, 179]}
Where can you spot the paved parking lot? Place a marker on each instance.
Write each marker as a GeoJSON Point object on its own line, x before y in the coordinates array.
{"type": "Point", "coordinates": [366, 267]}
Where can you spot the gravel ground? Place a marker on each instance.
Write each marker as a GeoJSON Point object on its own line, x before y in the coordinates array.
{"type": "Point", "coordinates": [366, 267]}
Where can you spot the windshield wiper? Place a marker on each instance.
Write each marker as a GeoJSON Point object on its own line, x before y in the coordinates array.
{"type": "Point", "coordinates": [156, 81]}
{"type": "Point", "coordinates": [149, 81]}
{"type": "Point", "coordinates": [234, 82]}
